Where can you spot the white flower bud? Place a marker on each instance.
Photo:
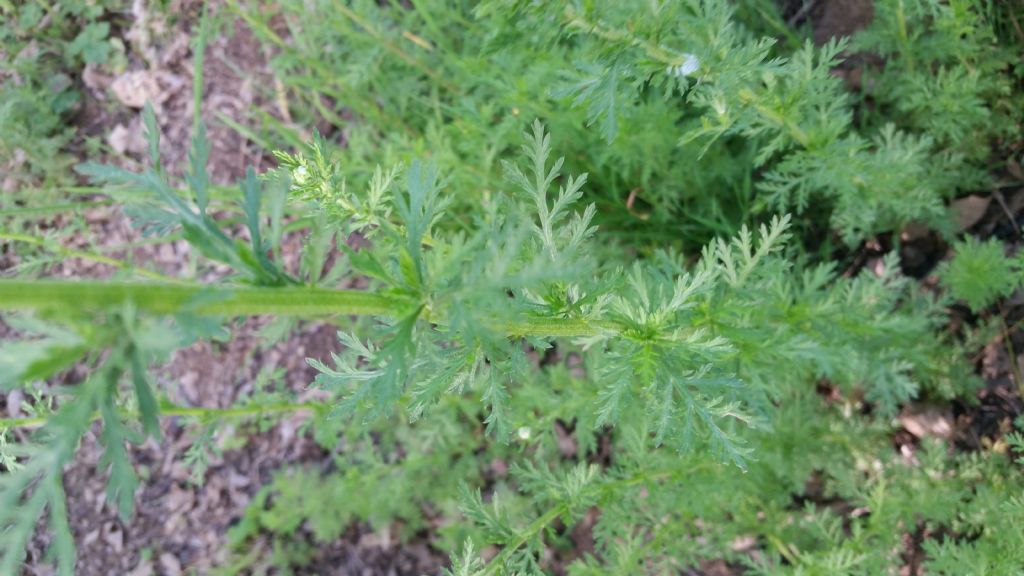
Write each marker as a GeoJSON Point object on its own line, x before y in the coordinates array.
{"type": "Point", "coordinates": [690, 65]}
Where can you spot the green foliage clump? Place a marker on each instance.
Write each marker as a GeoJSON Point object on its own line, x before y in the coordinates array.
{"type": "Point", "coordinates": [600, 322]}
{"type": "Point", "coordinates": [43, 46]}
{"type": "Point", "coordinates": [980, 273]}
{"type": "Point", "coordinates": [32, 484]}
{"type": "Point", "coordinates": [687, 122]}
{"type": "Point", "coordinates": [946, 73]}
{"type": "Point", "coordinates": [676, 367]}
{"type": "Point", "coordinates": [390, 473]}
{"type": "Point", "coordinates": [985, 499]}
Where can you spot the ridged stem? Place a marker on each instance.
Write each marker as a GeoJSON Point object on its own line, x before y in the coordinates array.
{"type": "Point", "coordinates": [161, 298]}
{"type": "Point", "coordinates": [175, 410]}
{"type": "Point", "coordinates": [170, 299]}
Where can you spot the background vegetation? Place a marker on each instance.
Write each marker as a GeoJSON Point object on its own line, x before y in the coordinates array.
{"type": "Point", "coordinates": [714, 287]}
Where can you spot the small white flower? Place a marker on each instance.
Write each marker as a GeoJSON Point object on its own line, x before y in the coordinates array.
{"type": "Point", "coordinates": [718, 103]}
{"type": "Point", "coordinates": [524, 433]}
{"type": "Point", "coordinates": [299, 175]}
{"type": "Point", "coordinates": [690, 65]}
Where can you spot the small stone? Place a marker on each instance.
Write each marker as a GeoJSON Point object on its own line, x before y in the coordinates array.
{"type": "Point", "coordinates": [144, 568]}
{"type": "Point", "coordinates": [118, 139]}
{"type": "Point", "coordinates": [170, 564]}
{"type": "Point", "coordinates": [14, 399]}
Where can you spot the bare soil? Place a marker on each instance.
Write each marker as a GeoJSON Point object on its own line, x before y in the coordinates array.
{"type": "Point", "coordinates": [180, 527]}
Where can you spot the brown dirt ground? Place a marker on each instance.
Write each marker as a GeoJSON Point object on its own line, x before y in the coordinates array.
{"type": "Point", "coordinates": [180, 527]}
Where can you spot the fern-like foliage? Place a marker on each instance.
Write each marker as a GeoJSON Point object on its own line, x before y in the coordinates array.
{"type": "Point", "coordinates": [686, 121]}
{"type": "Point", "coordinates": [712, 356]}
{"type": "Point", "coordinates": [946, 74]}
{"type": "Point", "coordinates": [668, 338]}
{"type": "Point", "coordinates": [162, 209]}
{"type": "Point", "coordinates": [32, 486]}
{"type": "Point", "coordinates": [542, 281]}
{"type": "Point", "coordinates": [980, 273]}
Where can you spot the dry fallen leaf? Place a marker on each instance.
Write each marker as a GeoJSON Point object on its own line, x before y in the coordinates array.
{"type": "Point", "coordinates": [127, 139]}
{"type": "Point", "coordinates": [1013, 167]}
{"type": "Point", "coordinates": [133, 89]}
{"type": "Point", "coordinates": [95, 79]}
{"type": "Point", "coordinates": [927, 421]}
{"type": "Point", "coordinates": [968, 210]}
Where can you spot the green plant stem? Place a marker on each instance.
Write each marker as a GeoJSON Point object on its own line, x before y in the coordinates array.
{"type": "Point", "coordinates": [91, 256]}
{"type": "Point", "coordinates": [198, 57]}
{"type": "Point", "coordinates": [555, 327]}
{"type": "Point", "coordinates": [54, 208]}
{"type": "Point", "coordinates": [1014, 367]}
{"type": "Point", "coordinates": [296, 225]}
{"type": "Point", "coordinates": [659, 54]}
{"type": "Point", "coordinates": [188, 411]}
{"type": "Point", "coordinates": [319, 77]}
{"type": "Point", "coordinates": [170, 299]}
{"type": "Point", "coordinates": [783, 549]}
{"type": "Point", "coordinates": [574, 20]}
{"type": "Point", "coordinates": [901, 20]}
{"type": "Point", "coordinates": [243, 130]}
{"type": "Point", "coordinates": [391, 47]}
{"type": "Point", "coordinates": [749, 98]}
{"type": "Point", "coordinates": [217, 192]}
{"type": "Point", "coordinates": [531, 531]}
{"type": "Point", "coordinates": [247, 301]}
{"type": "Point", "coordinates": [540, 523]}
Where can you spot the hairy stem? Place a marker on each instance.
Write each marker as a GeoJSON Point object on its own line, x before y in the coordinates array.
{"type": "Point", "coordinates": [170, 299]}
{"type": "Point", "coordinates": [193, 412]}
{"type": "Point", "coordinates": [244, 301]}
